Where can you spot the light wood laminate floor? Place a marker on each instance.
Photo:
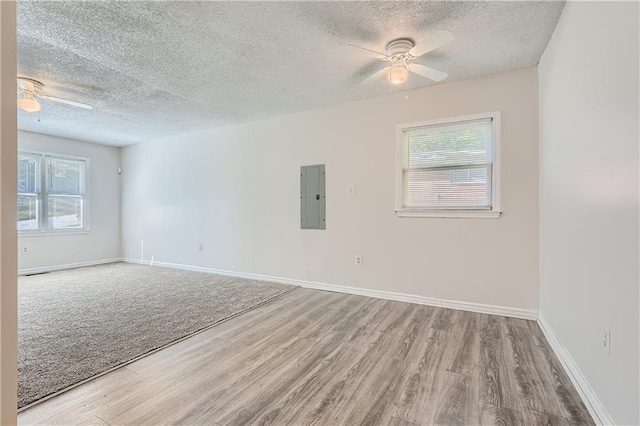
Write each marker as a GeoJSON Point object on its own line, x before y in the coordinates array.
{"type": "Point", "coordinates": [315, 357]}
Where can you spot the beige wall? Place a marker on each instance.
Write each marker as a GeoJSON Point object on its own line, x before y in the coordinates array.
{"type": "Point", "coordinates": [102, 242]}
{"type": "Point", "coordinates": [8, 282]}
{"type": "Point", "coordinates": [236, 189]}
{"type": "Point", "coordinates": [589, 213]}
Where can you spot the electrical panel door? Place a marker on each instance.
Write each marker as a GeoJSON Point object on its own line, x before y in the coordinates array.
{"type": "Point", "coordinates": [312, 197]}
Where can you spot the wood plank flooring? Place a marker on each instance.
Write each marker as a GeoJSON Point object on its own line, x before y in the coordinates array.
{"type": "Point", "coordinates": [314, 357]}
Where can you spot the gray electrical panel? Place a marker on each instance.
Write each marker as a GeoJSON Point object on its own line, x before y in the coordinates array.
{"type": "Point", "coordinates": [312, 197]}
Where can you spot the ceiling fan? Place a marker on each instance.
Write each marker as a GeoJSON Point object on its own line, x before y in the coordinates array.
{"type": "Point", "coordinates": [30, 90]}
{"type": "Point", "coordinates": [402, 52]}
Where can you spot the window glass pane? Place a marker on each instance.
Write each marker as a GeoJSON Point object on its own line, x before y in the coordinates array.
{"type": "Point", "coordinates": [27, 211]}
{"type": "Point", "coordinates": [460, 187]}
{"type": "Point", "coordinates": [65, 212]}
{"type": "Point", "coordinates": [65, 176]}
{"type": "Point", "coordinates": [463, 143]}
{"type": "Point", "coordinates": [28, 172]}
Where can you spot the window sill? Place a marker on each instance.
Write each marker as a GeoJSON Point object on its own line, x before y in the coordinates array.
{"type": "Point", "coordinates": [470, 214]}
{"type": "Point", "coordinates": [52, 233]}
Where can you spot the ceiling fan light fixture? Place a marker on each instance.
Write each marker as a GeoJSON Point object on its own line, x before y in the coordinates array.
{"type": "Point", "coordinates": [398, 74]}
{"type": "Point", "coordinates": [29, 104]}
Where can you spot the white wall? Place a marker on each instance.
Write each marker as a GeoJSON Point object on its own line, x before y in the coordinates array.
{"type": "Point", "coordinates": [589, 196]}
{"type": "Point", "coordinates": [236, 189]}
{"type": "Point", "coordinates": [102, 242]}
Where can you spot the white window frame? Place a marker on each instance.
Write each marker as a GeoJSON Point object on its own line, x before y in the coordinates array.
{"type": "Point", "coordinates": [449, 212]}
{"type": "Point", "coordinates": [43, 229]}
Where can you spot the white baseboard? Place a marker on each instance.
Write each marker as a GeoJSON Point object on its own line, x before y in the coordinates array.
{"type": "Point", "coordinates": [379, 294]}
{"type": "Point", "coordinates": [589, 397]}
{"type": "Point", "coordinates": [67, 266]}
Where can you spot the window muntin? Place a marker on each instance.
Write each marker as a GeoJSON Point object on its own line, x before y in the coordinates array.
{"type": "Point", "coordinates": [449, 166]}
{"type": "Point", "coordinates": [51, 193]}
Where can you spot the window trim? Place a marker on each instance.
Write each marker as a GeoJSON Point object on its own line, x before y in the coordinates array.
{"type": "Point", "coordinates": [43, 229]}
{"type": "Point", "coordinates": [447, 212]}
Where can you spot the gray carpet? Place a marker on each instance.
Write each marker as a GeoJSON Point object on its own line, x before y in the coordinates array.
{"type": "Point", "coordinates": [77, 323]}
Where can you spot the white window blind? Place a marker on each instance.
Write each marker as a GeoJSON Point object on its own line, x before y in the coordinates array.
{"type": "Point", "coordinates": [448, 166]}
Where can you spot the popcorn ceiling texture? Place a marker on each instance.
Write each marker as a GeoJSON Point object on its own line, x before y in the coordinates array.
{"type": "Point", "coordinates": [157, 69]}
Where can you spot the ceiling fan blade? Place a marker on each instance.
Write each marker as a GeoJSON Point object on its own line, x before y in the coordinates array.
{"type": "Point", "coordinates": [427, 72]}
{"type": "Point", "coordinates": [377, 55]}
{"type": "Point", "coordinates": [67, 101]}
{"type": "Point", "coordinates": [376, 74]}
{"type": "Point", "coordinates": [437, 40]}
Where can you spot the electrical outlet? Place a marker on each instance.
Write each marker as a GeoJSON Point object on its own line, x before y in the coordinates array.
{"type": "Point", "coordinates": [200, 247]}
{"type": "Point", "coordinates": [606, 340]}
{"type": "Point", "coordinates": [351, 190]}
{"type": "Point", "coordinates": [25, 250]}
{"type": "Point", "coordinates": [358, 261]}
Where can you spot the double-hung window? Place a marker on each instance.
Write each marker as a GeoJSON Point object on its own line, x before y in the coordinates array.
{"type": "Point", "coordinates": [449, 168]}
{"type": "Point", "coordinates": [51, 193]}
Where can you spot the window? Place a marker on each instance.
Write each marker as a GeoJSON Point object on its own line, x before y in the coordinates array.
{"type": "Point", "coordinates": [449, 168]}
{"type": "Point", "coordinates": [51, 193]}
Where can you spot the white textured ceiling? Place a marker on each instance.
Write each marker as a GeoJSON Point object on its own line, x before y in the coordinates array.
{"type": "Point", "coordinates": [155, 69]}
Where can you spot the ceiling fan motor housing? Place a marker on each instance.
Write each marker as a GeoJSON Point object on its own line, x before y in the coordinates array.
{"type": "Point", "coordinates": [399, 46]}
{"type": "Point", "coordinates": [29, 85]}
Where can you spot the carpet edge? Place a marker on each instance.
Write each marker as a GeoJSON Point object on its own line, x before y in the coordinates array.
{"type": "Point", "coordinates": [123, 364]}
